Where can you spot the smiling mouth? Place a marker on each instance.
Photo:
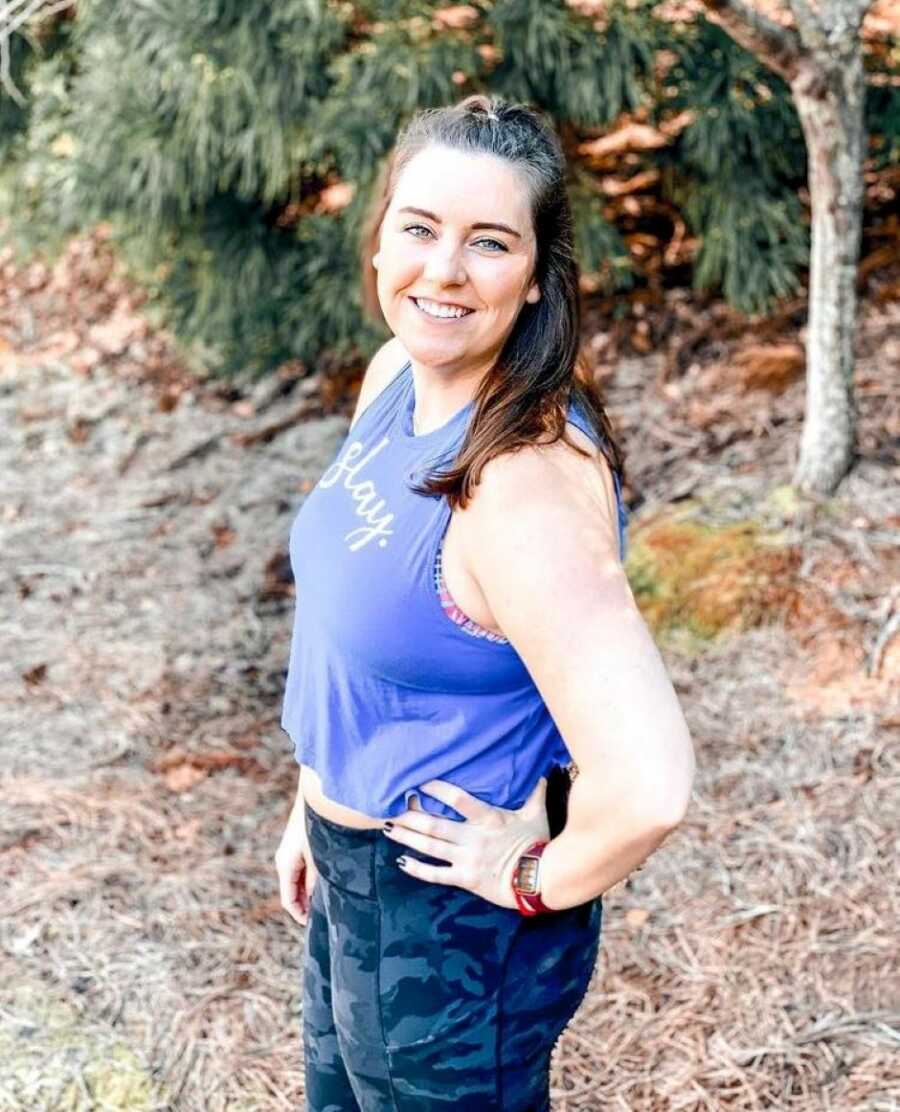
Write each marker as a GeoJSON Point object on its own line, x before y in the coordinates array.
{"type": "Point", "coordinates": [445, 317]}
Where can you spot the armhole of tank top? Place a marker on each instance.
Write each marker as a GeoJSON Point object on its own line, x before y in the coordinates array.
{"type": "Point", "coordinates": [448, 605]}
{"type": "Point", "coordinates": [381, 397]}
{"type": "Point", "coordinates": [452, 610]}
{"type": "Point", "coordinates": [621, 512]}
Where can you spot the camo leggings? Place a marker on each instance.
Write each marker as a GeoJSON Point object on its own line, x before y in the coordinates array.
{"type": "Point", "coordinates": [420, 996]}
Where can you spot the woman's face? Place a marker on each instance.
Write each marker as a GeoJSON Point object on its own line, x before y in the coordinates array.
{"type": "Point", "coordinates": [434, 246]}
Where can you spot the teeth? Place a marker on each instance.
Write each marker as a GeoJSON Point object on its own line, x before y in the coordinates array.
{"type": "Point", "coordinates": [435, 310]}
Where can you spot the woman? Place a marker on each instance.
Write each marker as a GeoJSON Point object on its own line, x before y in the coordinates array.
{"type": "Point", "coordinates": [463, 634]}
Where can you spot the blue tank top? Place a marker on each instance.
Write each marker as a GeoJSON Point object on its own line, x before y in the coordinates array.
{"type": "Point", "coordinates": [383, 691]}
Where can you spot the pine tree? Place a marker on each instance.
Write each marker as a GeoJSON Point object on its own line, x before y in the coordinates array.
{"type": "Point", "coordinates": [234, 145]}
{"type": "Point", "coordinates": [821, 59]}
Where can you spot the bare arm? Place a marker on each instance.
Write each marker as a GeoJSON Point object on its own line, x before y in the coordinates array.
{"type": "Point", "coordinates": [543, 548]}
{"type": "Point", "coordinates": [298, 809]}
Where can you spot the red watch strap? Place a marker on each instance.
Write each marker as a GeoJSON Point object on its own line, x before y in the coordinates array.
{"type": "Point", "coordinates": [531, 905]}
{"type": "Point", "coordinates": [527, 902]}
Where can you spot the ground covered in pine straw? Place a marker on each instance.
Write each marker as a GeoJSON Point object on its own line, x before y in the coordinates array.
{"type": "Point", "coordinates": [145, 609]}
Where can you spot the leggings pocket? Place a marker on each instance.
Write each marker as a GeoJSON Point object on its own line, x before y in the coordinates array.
{"type": "Point", "coordinates": [454, 1068]}
{"type": "Point", "coordinates": [441, 954]}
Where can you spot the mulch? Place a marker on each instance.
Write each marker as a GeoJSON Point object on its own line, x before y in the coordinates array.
{"type": "Point", "coordinates": [145, 610]}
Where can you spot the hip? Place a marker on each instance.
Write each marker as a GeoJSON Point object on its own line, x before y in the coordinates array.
{"type": "Point", "coordinates": [425, 962]}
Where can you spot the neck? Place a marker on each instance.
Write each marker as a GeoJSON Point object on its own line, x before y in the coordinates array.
{"type": "Point", "coordinates": [438, 396]}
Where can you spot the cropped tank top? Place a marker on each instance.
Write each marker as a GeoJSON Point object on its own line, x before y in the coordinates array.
{"type": "Point", "coordinates": [388, 684]}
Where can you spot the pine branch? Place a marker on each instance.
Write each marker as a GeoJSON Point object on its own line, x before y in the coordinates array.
{"type": "Point", "coordinates": [13, 14]}
{"type": "Point", "coordinates": [777, 47]}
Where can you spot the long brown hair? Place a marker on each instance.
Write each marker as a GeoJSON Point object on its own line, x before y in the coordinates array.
{"type": "Point", "coordinates": [525, 395]}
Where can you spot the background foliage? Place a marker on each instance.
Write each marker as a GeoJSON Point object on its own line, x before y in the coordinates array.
{"type": "Point", "coordinates": [233, 146]}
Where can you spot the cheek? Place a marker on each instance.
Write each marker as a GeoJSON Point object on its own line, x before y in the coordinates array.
{"type": "Point", "coordinates": [503, 287]}
{"type": "Point", "coordinates": [398, 261]}
{"type": "Point", "coordinates": [394, 279]}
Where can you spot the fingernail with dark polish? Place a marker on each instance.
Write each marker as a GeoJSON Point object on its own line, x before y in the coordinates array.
{"type": "Point", "coordinates": [388, 826]}
{"type": "Point", "coordinates": [401, 861]}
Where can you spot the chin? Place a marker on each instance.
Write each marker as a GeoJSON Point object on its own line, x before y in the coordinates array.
{"type": "Point", "coordinates": [429, 350]}
{"type": "Point", "coordinates": [430, 355]}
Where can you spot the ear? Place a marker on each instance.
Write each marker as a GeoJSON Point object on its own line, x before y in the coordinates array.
{"type": "Point", "coordinates": [534, 293]}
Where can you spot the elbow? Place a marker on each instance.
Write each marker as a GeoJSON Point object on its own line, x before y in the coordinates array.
{"type": "Point", "coordinates": [665, 814]}
{"type": "Point", "coordinates": [669, 802]}
{"type": "Point", "coordinates": [674, 815]}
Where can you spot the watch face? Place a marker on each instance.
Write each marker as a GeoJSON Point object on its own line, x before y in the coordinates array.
{"type": "Point", "coordinates": [527, 875]}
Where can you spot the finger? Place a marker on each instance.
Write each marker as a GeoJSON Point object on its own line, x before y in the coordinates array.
{"type": "Point", "coordinates": [434, 874]}
{"type": "Point", "coordinates": [447, 830]}
{"type": "Point", "coordinates": [434, 847]}
{"type": "Point", "coordinates": [458, 798]}
{"type": "Point", "coordinates": [297, 909]}
{"type": "Point", "coordinates": [299, 915]}
{"type": "Point", "coordinates": [291, 894]}
{"type": "Point", "coordinates": [286, 887]}
{"type": "Point", "coordinates": [304, 896]}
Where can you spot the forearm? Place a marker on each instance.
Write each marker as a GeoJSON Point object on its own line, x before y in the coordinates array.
{"type": "Point", "coordinates": [605, 838]}
{"type": "Point", "coordinates": [299, 806]}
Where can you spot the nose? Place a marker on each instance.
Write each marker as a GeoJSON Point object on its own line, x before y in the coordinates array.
{"type": "Point", "coordinates": [445, 265]}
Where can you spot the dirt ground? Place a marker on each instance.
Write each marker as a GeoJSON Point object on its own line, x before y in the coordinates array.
{"type": "Point", "coordinates": [145, 614]}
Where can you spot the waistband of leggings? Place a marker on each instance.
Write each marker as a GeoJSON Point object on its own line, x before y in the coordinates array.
{"type": "Point", "coordinates": [350, 857]}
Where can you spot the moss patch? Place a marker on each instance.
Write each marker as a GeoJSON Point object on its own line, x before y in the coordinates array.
{"type": "Point", "coordinates": [53, 1058]}
{"type": "Point", "coordinates": [698, 581]}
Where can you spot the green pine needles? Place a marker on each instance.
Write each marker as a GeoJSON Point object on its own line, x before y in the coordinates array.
{"type": "Point", "coordinates": [206, 133]}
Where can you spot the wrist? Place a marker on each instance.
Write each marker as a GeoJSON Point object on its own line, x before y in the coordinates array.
{"type": "Point", "coordinates": [525, 882]}
{"type": "Point", "coordinates": [298, 810]}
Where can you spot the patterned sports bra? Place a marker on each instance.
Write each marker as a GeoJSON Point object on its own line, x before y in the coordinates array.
{"type": "Point", "coordinates": [452, 610]}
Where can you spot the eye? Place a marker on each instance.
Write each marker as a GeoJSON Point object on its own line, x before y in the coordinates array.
{"type": "Point", "coordinates": [496, 243]}
{"type": "Point", "coordinates": [484, 239]}
{"type": "Point", "coordinates": [411, 227]}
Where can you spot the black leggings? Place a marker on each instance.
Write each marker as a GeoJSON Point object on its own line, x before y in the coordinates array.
{"type": "Point", "coordinates": [420, 996]}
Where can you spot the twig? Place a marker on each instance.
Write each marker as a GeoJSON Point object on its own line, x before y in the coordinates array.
{"type": "Point", "coordinates": [779, 47]}
{"type": "Point", "coordinates": [890, 625]}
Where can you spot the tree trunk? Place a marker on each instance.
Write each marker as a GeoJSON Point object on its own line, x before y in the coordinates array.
{"type": "Point", "coordinates": [829, 94]}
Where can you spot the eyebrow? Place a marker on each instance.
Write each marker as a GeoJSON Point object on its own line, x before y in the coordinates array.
{"type": "Point", "coordinates": [482, 224]}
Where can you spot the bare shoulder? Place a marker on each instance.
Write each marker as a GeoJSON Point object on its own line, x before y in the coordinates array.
{"type": "Point", "coordinates": [383, 366]}
{"type": "Point", "coordinates": [541, 531]}
{"type": "Point", "coordinates": [550, 482]}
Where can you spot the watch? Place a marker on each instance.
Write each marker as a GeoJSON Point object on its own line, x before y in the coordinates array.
{"type": "Point", "coordinates": [526, 883]}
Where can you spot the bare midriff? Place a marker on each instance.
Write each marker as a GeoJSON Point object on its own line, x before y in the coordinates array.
{"type": "Point", "coordinates": [313, 795]}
